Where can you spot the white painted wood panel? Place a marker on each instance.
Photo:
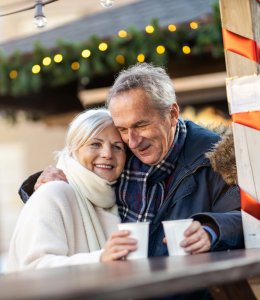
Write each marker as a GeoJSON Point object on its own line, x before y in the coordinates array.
{"type": "Point", "coordinates": [247, 147]}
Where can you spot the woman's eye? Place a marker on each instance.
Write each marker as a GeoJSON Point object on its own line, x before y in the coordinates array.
{"type": "Point", "coordinates": [95, 145]}
{"type": "Point", "coordinates": [118, 147]}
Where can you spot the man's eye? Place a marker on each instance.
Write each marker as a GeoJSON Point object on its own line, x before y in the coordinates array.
{"type": "Point", "coordinates": [141, 125]}
{"type": "Point", "coordinates": [122, 130]}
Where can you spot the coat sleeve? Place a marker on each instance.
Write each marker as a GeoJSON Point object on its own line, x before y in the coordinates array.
{"type": "Point", "coordinates": [27, 187]}
{"type": "Point", "coordinates": [46, 231]}
{"type": "Point", "coordinates": [225, 214]}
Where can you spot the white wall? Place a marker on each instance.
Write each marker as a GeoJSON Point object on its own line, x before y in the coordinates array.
{"type": "Point", "coordinates": [25, 148]}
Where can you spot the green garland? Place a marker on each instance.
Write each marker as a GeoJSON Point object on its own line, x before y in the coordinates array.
{"type": "Point", "coordinates": [16, 77]}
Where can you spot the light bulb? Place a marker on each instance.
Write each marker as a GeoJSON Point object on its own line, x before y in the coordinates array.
{"type": "Point", "coordinates": [40, 21]}
{"type": "Point", "coordinates": [39, 18]}
{"type": "Point", "coordinates": [107, 3]}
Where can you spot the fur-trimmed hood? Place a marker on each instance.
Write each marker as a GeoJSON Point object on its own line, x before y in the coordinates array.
{"type": "Point", "coordinates": [222, 156]}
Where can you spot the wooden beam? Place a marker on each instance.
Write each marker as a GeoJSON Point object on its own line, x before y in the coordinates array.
{"type": "Point", "coordinates": [191, 89]}
{"type": "Point", "coordinates": [60, 119]}
{"type": "Point", "coordinates": [240, 18]}
{"type": "Point", "coordinates": [236, 16]}
{"type": "Point", "coordinates": [239, 65]}
{"type": "Point", "coordinates": [247, 145]}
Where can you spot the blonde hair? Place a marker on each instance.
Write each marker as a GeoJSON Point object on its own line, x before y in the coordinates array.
{"type": "Point", "coordinates": [85, 126]}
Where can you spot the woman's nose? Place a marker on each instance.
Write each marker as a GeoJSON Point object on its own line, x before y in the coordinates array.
{"type": "Point", "coordinates": [107, 152]}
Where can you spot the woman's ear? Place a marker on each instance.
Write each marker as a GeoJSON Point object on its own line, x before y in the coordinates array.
{"type": "Point", "coordinates": [175, 110]}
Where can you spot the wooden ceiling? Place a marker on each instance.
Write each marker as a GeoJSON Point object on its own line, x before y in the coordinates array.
{"type": "Point", "coordinates": [58, 13]}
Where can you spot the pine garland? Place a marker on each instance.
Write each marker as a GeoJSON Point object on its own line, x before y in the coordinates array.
{"type": "Point", "coordinates": [17, 78]}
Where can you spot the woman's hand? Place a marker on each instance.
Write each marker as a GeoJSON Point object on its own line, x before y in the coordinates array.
{"type": "Point", "coordinates": [118, 246]}
{"type": "Point", "coordinates": [50, 174]}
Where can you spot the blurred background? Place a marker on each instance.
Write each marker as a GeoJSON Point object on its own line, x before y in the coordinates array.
{"type": "Point", "coordinates": [50, 74]}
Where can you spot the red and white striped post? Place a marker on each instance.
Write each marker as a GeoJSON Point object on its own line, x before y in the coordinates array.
{"type": "Point", "coordinates": [241, 35]}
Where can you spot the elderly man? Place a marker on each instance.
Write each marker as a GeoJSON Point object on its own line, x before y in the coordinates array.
{"type": "Point", "coordinates": [167, 175]}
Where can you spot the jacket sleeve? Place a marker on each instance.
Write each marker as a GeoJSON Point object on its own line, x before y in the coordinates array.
{"type": "Point", "coordinates": [27, 187]}
{"type": "Point", "coordinates": [225, 215]}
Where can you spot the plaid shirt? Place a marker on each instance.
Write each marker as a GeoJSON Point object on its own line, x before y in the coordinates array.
{"type": "Point", "coordinates": [142, 188]}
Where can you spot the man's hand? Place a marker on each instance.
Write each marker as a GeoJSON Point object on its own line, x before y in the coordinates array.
{"type": "Point", "coordinates": [196, 240]}
{"type": "Point", "coordinates": [50, 174]}
{"type": "Point", "coordinates": [118, 246]}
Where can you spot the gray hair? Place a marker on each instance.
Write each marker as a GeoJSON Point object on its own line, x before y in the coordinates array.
{"type": "Point", "coordinates": [85, 126]}
{"type": "Point", "coordinates": [153, 80]}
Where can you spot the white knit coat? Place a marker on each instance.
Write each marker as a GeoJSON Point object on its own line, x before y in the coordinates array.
{"type": "Point", "coordinates": [50, 230]}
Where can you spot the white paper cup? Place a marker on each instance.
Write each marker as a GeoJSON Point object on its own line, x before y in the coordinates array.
{"type": "Point", "coordinates": [174, 233]}
{"type": "Point", "coordinates": [140, 232]}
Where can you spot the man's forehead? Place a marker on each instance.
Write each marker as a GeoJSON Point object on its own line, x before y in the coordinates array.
{"type": "Point", "coordinates": [132, 118]}
{"type": "Point", "coordinates": [127, 119]}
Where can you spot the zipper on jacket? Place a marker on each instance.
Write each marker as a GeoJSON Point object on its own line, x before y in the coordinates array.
{"type": "Point", "coordinates": [176, 186]}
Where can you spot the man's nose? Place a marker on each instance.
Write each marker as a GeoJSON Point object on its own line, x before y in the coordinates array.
{"type": "Point", "coordinates": [134, 139]}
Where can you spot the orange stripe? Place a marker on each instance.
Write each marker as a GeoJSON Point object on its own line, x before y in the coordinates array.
{"type": "Point", "coordinates": [241, 45]}
{"type": "Point", "coordinates": [250, 205]}
{"type": "Point", "coordinates": [250, 119]}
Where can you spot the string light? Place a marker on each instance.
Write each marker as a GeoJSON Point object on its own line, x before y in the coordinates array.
{"type": "Point", "coordinates": [75, 66]}
{"type": "Point", "coordinates": [36, 69]}
{"type": "Point", "coordinates": [186, 50]}
{"type": "Point", "coordinates": [122, 34]}
{"type": "Point", "coordinates": [194, 25]}
{"type": "Point", "coordinates": [107, 3]}
{"type": "Point", "coordinates": [103, 46]}
{"type": "Point", "coordinates": [39, 18]}
{"type": "Point", "coordinates": [120, 59]}
{"type": "Point", "coordinates": [13, 74]}
{"type": "Point", "coordinates": [46, 61]}
{"type": "Point", "coordinates": [41, 21]}
{"type": "Point", "coordinates": [58, 58]}
{"type": "Point", "coordinates": [86, 53]}
{"type": "Point", "coordinates": [140, 57]}
{"type": "Point", "coordinates": [160, 49]}
{"type": "Point", "coordinates": [149, 29]}
{"type": "Point", "coordinates": [28, 8]}
{"type": "Point", "coordinates": [172, 28]}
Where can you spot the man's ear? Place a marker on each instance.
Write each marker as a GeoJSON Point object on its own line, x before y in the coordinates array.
{"type": "Point", "coordinates": [175, 110]}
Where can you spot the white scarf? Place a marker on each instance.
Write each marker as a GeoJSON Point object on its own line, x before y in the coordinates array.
{"type": "Point", "coordinates": [91, 190]}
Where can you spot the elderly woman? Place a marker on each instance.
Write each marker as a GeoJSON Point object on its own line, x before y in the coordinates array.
{"type": "Point", "coordinates": [66, 224]}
